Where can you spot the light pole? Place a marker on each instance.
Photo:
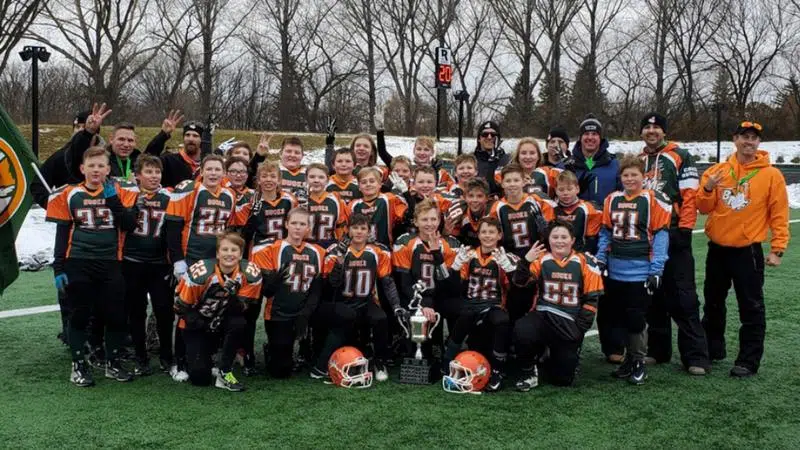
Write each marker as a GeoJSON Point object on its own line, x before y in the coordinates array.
{"type": "Point", "coordinates": [36, 54]}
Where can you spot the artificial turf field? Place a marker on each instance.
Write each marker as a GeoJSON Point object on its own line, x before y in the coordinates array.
{"type": "Point", "coordinates": [41, 409]}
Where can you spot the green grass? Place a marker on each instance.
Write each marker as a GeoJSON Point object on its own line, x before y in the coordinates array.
{"type": "Point", "coordinates": [674, 410]}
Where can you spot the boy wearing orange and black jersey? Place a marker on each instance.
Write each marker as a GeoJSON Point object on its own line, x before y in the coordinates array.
{"type": "Point", "coordinates": [90, 220]}
{"type": "Point", "coordinates": [386, 210]}
{"type": "Point", "coordinates": [292, 270]}
{"type": "Point", "coordinates": [329, 213]}
{"type": "Point", "coordinates": [464, 215]}
{"type": "Point", "coordinates": [145, 264]}
{"type": "Point", "coordinates": [343, 182]}
{"type": "Point", "coordinates": [354, 272]}
{"type": "Point", "coordinates": [484, 274]}
{"type": "Point", "coordinates": [582, 215]}
{"type": "Point", "coordinates": [210, 300]}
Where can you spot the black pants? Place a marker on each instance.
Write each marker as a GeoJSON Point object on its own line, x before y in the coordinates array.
{"type": "Point", "coordinates": [520, 300]}
{"type": "Point", "coordinates": [95, 288]}
{"type": "Point", "coordinates": [65, 312]}
{"type": "Point", "coordinates": [612, 340]}
{"type": "Point", "coordinates": [677, 299]}
{"type": "Point", "coordinates": [532, 334]}
{"type": "Point", "coordinates": [142, 279]}
{"type": "Point", "coordinates": [496, 319]}
{"type": "Point", "coordinates": [280, 347]}
{"type": "Point", "coordinates": [745, 268]}
{"type": "Point", "coordinates": [628, 303]}
{"type": "Point", "coordinates": [248, 340]}
{"type": "Point", "coordinates": [344, 320]}
{"type": "Point", "coordinates": [202, 343]}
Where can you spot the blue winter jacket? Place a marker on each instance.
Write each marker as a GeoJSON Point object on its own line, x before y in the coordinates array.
{"type": "Point", "coordinates": [603, 179]}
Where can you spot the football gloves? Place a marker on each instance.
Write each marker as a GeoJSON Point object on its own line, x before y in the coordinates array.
{"type": "Point", "coordinates": [109, 189]}
{"type": "Point", "coordinates": [179, 269]}
{"type": "Point", "coordinates": [652, 284]}
{"type": "Point", "coordinates": [399, 185]}
{"type": "Point", "coordinates": [61, 282]}
{"type": "Point", "coordinates": [504, 260]}
{"type": "Point", "coordinates": [463, 254]}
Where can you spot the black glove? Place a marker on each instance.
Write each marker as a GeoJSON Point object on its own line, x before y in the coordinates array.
{"type": "Point", "coordinates": [341, 247]}
{"type": "Point", "coordinates": [231, 286]}
{"type": "Point", "coordinates": [652, 284]}
{"type": "Point", "coordinates": [330, 127]}
{"type": "Point", "coordinates": [194, 321]}
{"type": "Point", "coordinates": [336, 277]}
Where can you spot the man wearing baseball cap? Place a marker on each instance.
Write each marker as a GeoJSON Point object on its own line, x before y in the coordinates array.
{"type": "Point", "coordinates": [670, 170]}
{"type": "Point", "coordinates": [489, 154]}
{"type": "Point", "coordinates": [184, 164]}
{"type": "Point", "coordinates": [745, 198]}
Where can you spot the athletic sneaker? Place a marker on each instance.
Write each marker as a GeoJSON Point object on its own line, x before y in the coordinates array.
{"type": "Point", "coordinates": [142, 367]}
{"type": "Point", "coordinates": [318, 374]}
{"type": "Point", "coordinates": [381, 372]}
{"type": "Point", "coordinates": [528, 380]}
{"type": "Point", "coordinates": [615, 358]}
{"type": "Point", "coordinates": [697, 371]}
{"type": "Point", "coordinates": [164, 365]}
{"type": "Point", "coordinates": [638, 373]}
{"type": "Point", "coordinates": [741, 372]}
{"type": "Point", "coordinates": [624, 370]}
{"type": "Point", "coordinates": [495, 382]}
{"type": "Point", "coordinates": [97, 358]}
{"type": "Point", "coordinates": [226, 380]}
{"type": "Point", "coordinates": [178, 373]}
{"type": "Point", "coordinates": [249, 364]}
{"type": "Point", "coordinates": [115, 371]}
{"type": "Point", "coordinates": [81, 374]}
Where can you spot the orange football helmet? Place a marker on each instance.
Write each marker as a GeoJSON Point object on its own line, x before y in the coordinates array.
{"type": "Point", "coordinates": [348, 368]}
{"type": "Point", "coordinates": [469, 373]}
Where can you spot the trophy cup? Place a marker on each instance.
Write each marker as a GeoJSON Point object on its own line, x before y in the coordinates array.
{"type": "Point", "coordinates": [417, 370]}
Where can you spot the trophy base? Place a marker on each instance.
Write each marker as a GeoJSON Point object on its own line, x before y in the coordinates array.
{"type": "Point", "coordinates": [415, 371]}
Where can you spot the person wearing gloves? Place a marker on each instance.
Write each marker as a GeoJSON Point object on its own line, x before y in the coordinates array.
{"type": "Point", "coordinates": [197, 212]}
{"type": "Point", "coordinates": [490, 154]}
{"type": "Point", "coordinates": [485, 276]}
{"type": "Point", "coordinates": [670, 170]}
{"type": "Point", "coordinates": [355, 272]}
{"type": "Point", "coordinates": [571, 285]}
{"type": "Point", "coordinates": [596, 168]}
{"type": "Point", "coordinates": [744, 198]}
{"type": "Point", "coordinates": [632, 247]}
{"type": "Point", "coordinates": [210, 302]}
{"type": "Point", "coordinates": [557, 146]}
{"type": "Point", "coordinates": [89, 219]}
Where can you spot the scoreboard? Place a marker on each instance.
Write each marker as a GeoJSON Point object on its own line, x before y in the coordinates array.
{"type": "Point", "coordinates": [444, 68]}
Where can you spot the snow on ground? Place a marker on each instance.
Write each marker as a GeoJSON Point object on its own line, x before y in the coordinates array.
{"type": "Point", "coordinates": [35, 241]}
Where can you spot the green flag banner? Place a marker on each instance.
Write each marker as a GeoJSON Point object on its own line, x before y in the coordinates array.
{"type": "Point", "coordinates": [16, 174]}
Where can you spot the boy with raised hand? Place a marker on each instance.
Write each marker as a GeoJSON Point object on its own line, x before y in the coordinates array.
{"type": "Point", "coordinates": [582, 215]}
{"type": "Point", "coordinates": [145, 265]}
{"type": "Point", "coordinates": [386, 210]}
{"type": "Point", "coordinates": [90, 219]}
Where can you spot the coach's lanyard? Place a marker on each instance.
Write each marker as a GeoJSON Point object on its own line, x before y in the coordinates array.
{"type": "Point", "coordinates": [127, 171]}
{"type": "Point", "coordinates": [744, 179]}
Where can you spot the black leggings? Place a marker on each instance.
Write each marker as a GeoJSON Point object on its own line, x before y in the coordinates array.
{"type": "Point", "coordinates": [201, 344]}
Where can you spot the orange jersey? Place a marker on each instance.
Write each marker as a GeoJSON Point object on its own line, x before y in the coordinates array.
{"type": "Point", "coordinates": [566, 285]}
{"type": "Point", "coordinates": [329, 216]}
{"type": "Point", "coordinates": [346, 189]}
{"type": "Point", "coordinates": [585, 220]}
{"type": "Point", "coordinates": [522, 226]}
{"type": "Point", "coordinates": [487, 283]}
{"type": "Point", "coordinates": [204, 214]}
{"type": "Point", "coordinates": [301, 266]}
{"type": "Point", "coordinates": [268, 223]}
{"type": "Point", "coordinates": [293, 181]}
{"type": "Point", "coordinates": [93, 231]}
{"type": "Point", "coordinates": [412, 255]}
{"type": "Point", "coordinates": [361, 271]}
{"type": "Point", "coordinates": [201, 287]}
{"type": "Point", "coordinates": [385, 211]}
{"type": "Point", "coordinates": [749, 201]}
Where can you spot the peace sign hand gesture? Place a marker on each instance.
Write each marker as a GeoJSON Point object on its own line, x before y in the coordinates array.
{"type": "Point", "coordinates": [171, 121]}
{"type": "Point", "coordinates": [95, 119]}
{"type": "Point", "coordinates": [263, 148]}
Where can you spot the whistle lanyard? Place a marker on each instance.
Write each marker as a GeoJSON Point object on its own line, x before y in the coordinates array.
{"type": "Point", "coordinates": [744, 179]}
{"type": "Point", "coordinates": [127, 171]}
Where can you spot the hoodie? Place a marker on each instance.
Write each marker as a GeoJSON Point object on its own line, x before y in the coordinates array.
{"type": "Point", "coordinates": [747, 202]}
{"type": "Point", "coordinates": [597, 182]}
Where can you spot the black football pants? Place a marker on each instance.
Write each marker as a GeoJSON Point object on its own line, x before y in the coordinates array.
{"type": "Point", "coordinates": [95, 288]}
{"type": "Point", "coordinates": [628, 303]}
{"type": "Point", "coordinates": [142, 279]}
{"type": "Point", "coordinates": [496, 319]}
{"type": "Point", "coordinates": [745, 268]}
{"type": "Point", "coordinates": [343, 320]}
{"type": "Point", "coordinates": [532, 334]}
{"type": "Point", "coordinates": [677, 300]}
{"type": "Point", "coordinates": [201, 343]}
{"type": "Point", "coordinates": [280, 347]}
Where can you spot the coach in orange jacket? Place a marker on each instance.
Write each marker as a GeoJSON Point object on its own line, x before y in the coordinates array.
{"type": "Point", "coordinates": [744, 198]}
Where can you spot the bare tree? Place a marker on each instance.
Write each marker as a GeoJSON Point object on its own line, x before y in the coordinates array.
{"type": "Point", "coordinates": [749, 39]}
{"type": "Point", "coordinates": [106, 39]}
{"type": "Point", "coordinates": [15, 18]}
{"type": "Point", "coordinates": [359, 17]}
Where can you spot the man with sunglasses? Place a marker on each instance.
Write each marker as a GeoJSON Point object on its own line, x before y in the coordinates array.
{"type": "Point", "coordinates": [489, 154]}
{"type": "Point", "coordinates": [744, 197]}
{"type": "Point", "coordinates": [670, 170]}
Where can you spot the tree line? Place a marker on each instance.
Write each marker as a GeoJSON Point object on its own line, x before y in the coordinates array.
{"type": "Point", "coordinates": [528, 64]}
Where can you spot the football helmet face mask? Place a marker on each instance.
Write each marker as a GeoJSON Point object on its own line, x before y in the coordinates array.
{"type": "Point", "coordinates": [349, 368]}
{"type": "Point", "coordinates": [469, 373]}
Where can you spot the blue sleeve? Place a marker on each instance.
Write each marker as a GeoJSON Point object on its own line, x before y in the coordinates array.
{"type": "Point", "coordinates": [660, 256]}
{"type": "Point", "coordinates": [602, 245]}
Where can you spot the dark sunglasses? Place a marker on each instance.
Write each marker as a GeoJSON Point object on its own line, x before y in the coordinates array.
{"type": "Point", "coordinates": [488, 134]}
